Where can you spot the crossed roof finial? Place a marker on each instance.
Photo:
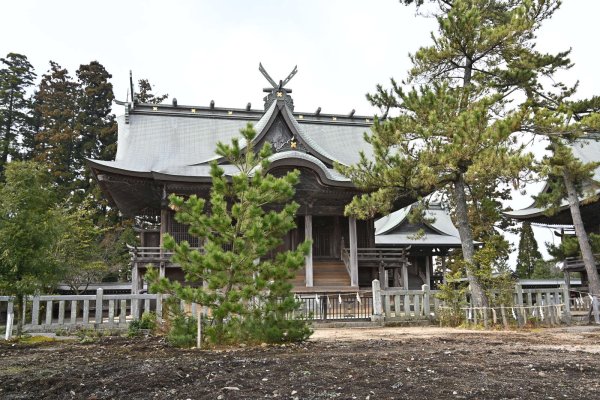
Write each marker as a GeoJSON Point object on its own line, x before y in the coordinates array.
{"type": "Point", "coordinates": [281, 84]}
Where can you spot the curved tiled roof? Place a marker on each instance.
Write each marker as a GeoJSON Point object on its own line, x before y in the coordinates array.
{"type": "Point", "coordinates": [586, 150]}
{"type": "Point", "coordinates": [160, 141]}
{"type": "Point", "coordinates": [438, 228]}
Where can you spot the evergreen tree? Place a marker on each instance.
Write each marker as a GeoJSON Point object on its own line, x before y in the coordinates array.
{"type": "Point", "coordinates": [145, 94]}
{"type": "Point", "coordinates": [95, 122]}
{"type": "Point", "coordinates": [454, 132]}
{"type": "Point", "coordinates": [97, 130]}
{"type": "Point", "coordinates": [57, 140]}
{"type": "Point", "coordinates": [16, 76]}
{"type": "Point", "coordinates": [529, 256]}
{"type": "Point", "coordinates": [566, 124]}
{"type": "Point", "coordinates": [28, 227]}
{"type": "Point", "coordinates": [249, 294]}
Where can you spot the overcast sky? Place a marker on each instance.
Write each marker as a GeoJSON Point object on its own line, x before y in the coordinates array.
{"type": "Point", "coordinates": [200, 51]}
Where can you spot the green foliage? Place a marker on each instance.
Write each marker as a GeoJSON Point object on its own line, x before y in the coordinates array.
{"type": "Point", "coordinates": [16, 77]}
{"type": "Point", "coordinates": [77, 251]}
{"type": "Point", "coordinates": [183, 332]}
{"type": "Point", "coordinates": [529, 255]}
{"type": "Point", "coordinates": [28, 228]}
{"type": "Point", "coordinates": [546, 270]}
{"type": "Point", "coordinates": [562, 162]}
{"type": "Point", "coordinates": [146, 322]}
{"type": "Point", "coordinates": [74, 123]}
{"type": "Point", "coordinates": [455, 131]}
{"type": "Point", "coordinates": [88, 335]}
{"type": "Point", "coordinates": [57, 136]}
{"type": "Point", "coordinates": [241, 286]}
{"type": "Point", "coordinates": [453, 294]}
{"type": "Point", "coordinates": [145, 94]}
{"type": "Point", "coordinates": [566, 125]}
{"type": "Point", "coordinates": [569, 247]}
{"type": "Point", "coordinates": [113, 249]}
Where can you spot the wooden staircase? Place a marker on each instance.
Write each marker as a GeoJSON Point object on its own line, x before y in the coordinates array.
{"type": "Point", "coordinates": [330, 273]}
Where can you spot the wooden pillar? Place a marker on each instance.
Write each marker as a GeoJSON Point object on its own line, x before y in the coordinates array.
{"type": "Point", "coordinates": [308, 264]}
{"type": "Point", "coordinates": [405, 277]}
{"type": "Point", "coordinates": [567, 278]}
{"type": "Point", "coordinates": [444, 269]}
{"type": "Point", "coordinates": [353, 252]}
{"type": "Point", "coordinates": [397, 278]}
{"type": "Point", "coordinates": [381, 274]}
{"type": "Point", "coordinates": [164, 218]}
{"type": "Point", "coordinates": [337, 234]}
{"type": "Point", "coordinates": [428, 270]}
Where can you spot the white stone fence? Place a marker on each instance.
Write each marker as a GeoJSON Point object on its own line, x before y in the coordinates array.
{"type": "Point", "coordinates": [115, 311]}
{"type": "Point", "coordinates": [549, 305]}
{"type": "Point", "coordinates": [100, 311]}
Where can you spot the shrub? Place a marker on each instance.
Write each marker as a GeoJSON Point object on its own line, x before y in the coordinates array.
{"type": "Point", "coordinates": [183, 331]}
{"type": "Point", "coordinates": [147, 322]}
{"type": "Point", "coordinates": [453, 294]}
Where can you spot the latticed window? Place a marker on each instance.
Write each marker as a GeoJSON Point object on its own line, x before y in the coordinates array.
{"type": "Point", "coordinates": [180, 232]}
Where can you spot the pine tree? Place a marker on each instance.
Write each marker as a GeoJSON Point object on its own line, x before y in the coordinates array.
{"type": "Point", "coordinates": [570, 178]}
{"type": "Point", "coordinates": [145, 94]}
{"type": "Point", "coordinates": [454, 132]}
{"type": "Point", "coordinates": [528, 256]}
{"type": "Point", "coordinates": [249, 294]}
{"type": "Point", "coordinates": [16, 76]}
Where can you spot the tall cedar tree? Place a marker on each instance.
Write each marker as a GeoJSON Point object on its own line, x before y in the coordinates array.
{"type": "Point", "coordinates": [249, 294]}
{"type": "Point", "coordinates": [28, 228]}
{"type": "Point", "coordinates": [75, 122]}
{"type": "Point", "coordinates": [16, 77]}
{"type": "Point", "coordinates": [529, 255]}
{"type": "Point", "coordinates": [454, 132]}
{"type": "Point", "coordinates": [97, 132]}
{"type": "Point", "coordinates": [58, 138]}
{"type": "Point", "coordinates": [145, 94]}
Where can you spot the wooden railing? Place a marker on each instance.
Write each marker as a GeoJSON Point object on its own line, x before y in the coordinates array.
{"type": "Point", "coordinates": [370, 256]}
{"type": "Point", "coordinates": [150, 254]}
{"type": "Point", "coordinates": [576, 263]}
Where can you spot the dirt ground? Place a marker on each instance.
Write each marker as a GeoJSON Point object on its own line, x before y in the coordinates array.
{"type": "Point", "coordinates": [382, 363]}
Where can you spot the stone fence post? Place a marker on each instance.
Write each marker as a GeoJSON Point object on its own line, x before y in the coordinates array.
{"type": "Point", "coordinates": [377, 306]}
{"type": "Point", "coordinates": [99, 294]}
{"type": "Point", "coordinates": [595, 310]}
{"type": "Point", "coordinates": [426, 309]}
{"type": "Point", "coordinates": [522, 317]}
{"type": "Point", "coordinates": [567, 304]}
{"type": "Point", "coordinates": [10, 317]}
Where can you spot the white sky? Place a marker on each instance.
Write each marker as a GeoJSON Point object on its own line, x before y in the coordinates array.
{"type": "Point", "coordinates": [198, 51]}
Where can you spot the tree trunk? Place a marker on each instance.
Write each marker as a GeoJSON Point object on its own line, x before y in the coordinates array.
{"type": "Point", "coordinates": [584, 244]}
{"type": "Point", "coordinates": [464, 228]}
{"type": "Point", "coordinates": [466, 238]}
